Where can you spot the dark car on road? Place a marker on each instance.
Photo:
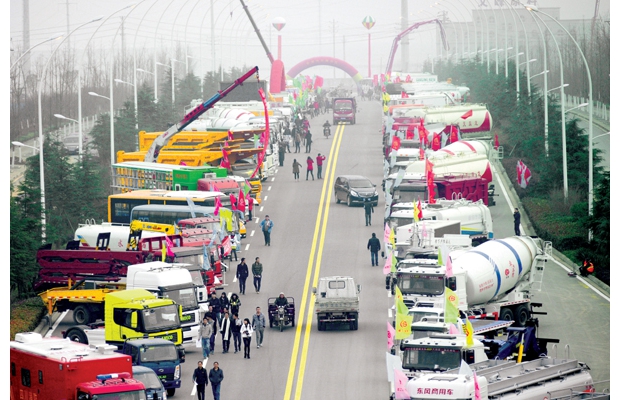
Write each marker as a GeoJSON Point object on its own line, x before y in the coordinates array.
{"type": "Point", "coordinates": [354, 189]}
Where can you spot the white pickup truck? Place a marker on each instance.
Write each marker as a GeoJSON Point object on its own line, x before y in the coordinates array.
{"type": "Point", "coordinates": [337, 300]}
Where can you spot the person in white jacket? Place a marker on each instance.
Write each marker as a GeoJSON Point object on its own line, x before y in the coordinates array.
{"type": "Point", "coordinates": [246, 334]}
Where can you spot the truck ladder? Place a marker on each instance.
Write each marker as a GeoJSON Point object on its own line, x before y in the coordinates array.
{"type": "Point", "coordinates": [538, 270]}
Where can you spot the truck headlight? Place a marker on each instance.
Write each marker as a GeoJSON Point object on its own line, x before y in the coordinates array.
{"type": "Point", "coordinates": [177, 372]}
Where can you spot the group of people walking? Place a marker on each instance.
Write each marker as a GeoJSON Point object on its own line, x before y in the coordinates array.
{"type": "Point", "coordinates": [309, 167]}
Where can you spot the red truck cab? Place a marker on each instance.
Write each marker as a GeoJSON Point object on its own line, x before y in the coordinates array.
{"type": "Point", "coordinates": [344, 110]}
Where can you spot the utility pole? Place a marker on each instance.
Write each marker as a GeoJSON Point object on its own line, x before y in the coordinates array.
{"type": "Point", "coordinates": [404, 24]}
{"type": "Point", "coordinates": [26, 26]}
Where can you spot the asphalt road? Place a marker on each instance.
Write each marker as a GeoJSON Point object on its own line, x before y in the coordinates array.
{"type": "Point", "coordinates": [313, 236]}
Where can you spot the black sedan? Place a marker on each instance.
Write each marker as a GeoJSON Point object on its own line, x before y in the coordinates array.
{"type": "Point", "coordinates": [355, 189]}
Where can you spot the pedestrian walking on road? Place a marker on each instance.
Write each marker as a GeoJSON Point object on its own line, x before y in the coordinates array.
{"type": "Point", "coordinates": [310, 167]}
{"type": "Point", "coordinates": [217, 307]}
{"type": "Point", "coordinates": [296, 167]}
{"type": "Point", "coordinates": [308, 142]}
{"type": "Point", "coordinates": [201, 380]}
{"type": "Point", "coordinates": [235, 303]}
{"type": "Point", "coordinates": [266, 225]}
{"type": "Point", "coordinates": [226, 332]}
{"type": "Point", "coordinates": [204, 334]}
{"type": "Point", "coordinates": [258, 324]}
{"type": "Point", "coordinates": [257, 271]}
{"type": "Point", "coordinates": [368, 209]}
{"type": "Point", "coordinates": [319, 166]}
{"type": "Point", "coordinates": [374, 245]}
{"type": "Point", "coordinates": [297, 142]}
{"type": "Point", "coordinates": [235, 328]}
{"type": "Point", "coordinates": [246, 333]}
{"type": "Point", "coordinates": [281, 152]}
{"type": "Point", "coordinates": [216, 376]}
{"type": "Point", "coordinates": [242, 274]}
{"type": "Point", "coordinates": [517, 217]}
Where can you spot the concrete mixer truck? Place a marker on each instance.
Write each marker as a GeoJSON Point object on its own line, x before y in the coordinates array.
{"type": "Point", "coordinates": [493, 280]}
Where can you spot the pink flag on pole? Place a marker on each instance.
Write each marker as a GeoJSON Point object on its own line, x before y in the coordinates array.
{"type": "Point", "coordinates": [400, 384]}
{"type": "Point", "coordinates": [218, 204]}
{"type": "Point", "coordinates": [453, 330]}
{"type": "Point", "coordinates": [388, 265]}
{"type": "Point", "coordinates": [386, 234]}
{"type": "Point", "coordinates": [169, 246]}
{"type": "Point", "coordinates": [476, 387]}
{"type": "Point", "coordinates": [390, 335]}
{"type": "Point", "coordinates": [449, 272]}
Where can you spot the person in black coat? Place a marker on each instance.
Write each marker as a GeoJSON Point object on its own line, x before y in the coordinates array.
{"type": "Point", "coordinates": [242, 274]}
{"type": "Point", "coordinates": [201, 379]}
{"type": "Point", "coordinates": [368, 209]}
{"type": "Point", "coordinates": [374, 245]}
{"type": "Point", "coordinates": [517, 217]}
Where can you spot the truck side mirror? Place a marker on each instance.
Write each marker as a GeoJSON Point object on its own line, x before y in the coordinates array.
{"type": "Point", "coordinates": [359, 288]}
{"type": "Point", "coordinates": [452, 283]}
{"type": "Point", "coordinates": [181, 352]}
{"type": "Point", "coordinates": [134, 320]}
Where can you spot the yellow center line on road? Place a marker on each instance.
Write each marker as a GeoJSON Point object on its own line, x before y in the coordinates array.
{"type": "Point", "coordinates": [325, 192]}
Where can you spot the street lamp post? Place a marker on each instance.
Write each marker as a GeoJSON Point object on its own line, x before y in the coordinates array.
{"type": "Point", "coordinates": [574, 108]}
{"type": "Point", "coordinates": [135, 96]}
{"type": "Point", "coordinates": [20, 145]}
{"type": "Point", "coordinates": [590, 161]}
{"type": "Point", "coordinates": [172, 61]}
{"type": "Point", "coordinates": [41, 169]}
{"type": "Point", "coordinates": [28, 51]}
{"type": "Point", "coordinates": [545, 92]}
{"type": "Point", "coordinates": [111, 124]}
{"type": "Point", "coordinates": [60, 116]}
{"type": "Point", "coordinates": [156, 64]}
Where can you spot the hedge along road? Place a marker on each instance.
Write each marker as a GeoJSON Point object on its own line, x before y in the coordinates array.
{"type": "Point", "coordinates": [313, 268]}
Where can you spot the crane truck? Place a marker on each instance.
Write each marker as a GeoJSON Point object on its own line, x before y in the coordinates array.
{"type": "Point", "coordinates": [543, 378]}
{"type": "Point", "coordinates": [493, 280]}
{"type": "Point", "coordinates": [60, 369]}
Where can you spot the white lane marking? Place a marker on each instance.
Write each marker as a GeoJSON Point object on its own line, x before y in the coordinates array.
{"type": "Point", "coordinates": [389, 293]}
{"type": "Point", "coordinates": [251, 234]}
{"type": "Point", "coordinates": [257, 219]}
{"type": "Point", "coordinates": [274, 178]}
{"type": "Point", "coordinates": [265, 199]}
{"type": "Point", "coordinates": [269, 188]}
{"type": "Point", "coordinates": [261, 209]}
{"type": "Point", "coordinates": [58, 321]}
{"type": "Point", "coordinates": [389, 313]}
{"type": "Point", "coordinates": [247, 246]}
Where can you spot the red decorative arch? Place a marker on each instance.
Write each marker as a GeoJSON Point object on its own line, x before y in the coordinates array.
{"type": "Point", "coordinates": [329, 61]}
{"type": "Point", "coordinates": [277, 83]}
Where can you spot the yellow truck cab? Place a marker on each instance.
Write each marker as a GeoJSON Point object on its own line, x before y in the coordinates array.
{"type": "Point", "coordinates": [132, 314]}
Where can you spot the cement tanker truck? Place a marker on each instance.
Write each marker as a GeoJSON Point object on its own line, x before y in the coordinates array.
{"type": "Point", "coordinates": [493, 280]}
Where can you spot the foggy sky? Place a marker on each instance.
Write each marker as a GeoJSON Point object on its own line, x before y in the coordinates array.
{"type": "Point", "coordinates": [313, 28]}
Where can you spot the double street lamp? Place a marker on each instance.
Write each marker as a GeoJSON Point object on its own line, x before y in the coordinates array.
{"type": "Point", "coordinates": [110, 99]}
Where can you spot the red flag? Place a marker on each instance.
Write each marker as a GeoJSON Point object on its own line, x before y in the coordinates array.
{"type": "Point", "coordinates": [436, 144]}
{"type": "Point", "coordinates": [230, 135]}
{"type": "Point", "coordinates": [397, 80]}
{"type": "Point", "coordinates": [467, 114]}
{"type": "Point", "coordinates": [391, 332]}
{"type": "Point", "coordinates": [421, 151]}
{"type": "Point", "coordinates": [404, 95]}
{"type": "Point", "coordinates": [454, 134]}
{"type": "Point", "coordinates": [395, 142]}
{"type": "Point", "coordinates": [419, 209]}
{"type": "Point", "coordinates": [225, 163]}
{"type": "Point", "coordinates": [523, 174]}
{"type": "Point", "coordinates": [241, 202]}
{"type": "Point", "coordinates": [496, 145]}
{"type": "Point", "coordinates": [226, 245]}
{"type": "Point", "coordinates": [408, 78]}
{"type": "Point", "coordinates": [318, 82]}
{"type": "Point", "coordinates": [233, 202]}
{"type": "Point", "coordinates": [430, 182]}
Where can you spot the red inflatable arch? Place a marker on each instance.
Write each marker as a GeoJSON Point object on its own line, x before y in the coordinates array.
{"type": "Point", "coordinates": [330, 61]}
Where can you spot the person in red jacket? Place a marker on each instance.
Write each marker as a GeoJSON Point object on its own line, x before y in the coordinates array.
{"type": "Point", "coordinates": [319, 166]}
{"type": "Point", "coordinates": [310, 167]}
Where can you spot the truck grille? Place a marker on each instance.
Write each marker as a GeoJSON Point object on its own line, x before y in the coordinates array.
{"type": "Point", "coordinates": [173, 337]}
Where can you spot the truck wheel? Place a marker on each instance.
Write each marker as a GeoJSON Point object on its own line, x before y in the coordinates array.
{"type": "Point", "coordinates": [321, 325]}
{"type": "Point", "coordinates": [170, 392]}
{"type": "Point", "coordinates": [281, 326]}
{"type": "Point", "coordinates": [76, 335]}
{"type": "Point", "coordinates": [293, 322]}
{"type": "Point", "coordinates": [353, 324]}
{"type": "Point", "coordinates": [81, 315]}
{"type": "Point", "coordinates": [506, 314]}
{"type": "Point", "coordinates": [522, 315]}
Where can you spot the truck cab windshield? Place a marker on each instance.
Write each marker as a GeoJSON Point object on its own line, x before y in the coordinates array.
{"type": "Point", "coordinates": [158, 354]}
{"type": "Point", "coordinates": [161, 318]}
{"type": "Point", "coordinates": [432, 285]}
{"type": "Point", "coordinates": [185, 297]}
{"type": "Point", "coordinates": [411, 193]}
{"type": "Point", "coordinates": [431, 358]}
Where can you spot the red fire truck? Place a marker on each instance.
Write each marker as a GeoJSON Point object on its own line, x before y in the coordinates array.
{"type": "Point", "coordinates": [60, 369]}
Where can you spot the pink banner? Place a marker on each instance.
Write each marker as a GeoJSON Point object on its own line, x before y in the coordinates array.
{"type": "Point", "coordinates": [388, 264]}
{"type": "Point", "coordinates": [390, 335]}
{"type": "Point", "coordinates": [386, 234]}
{"type": "Point", "coordinates": [400, 385]}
